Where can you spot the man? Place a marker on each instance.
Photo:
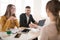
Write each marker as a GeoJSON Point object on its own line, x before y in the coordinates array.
{"type": "Point", "coordinates": [26, 18]}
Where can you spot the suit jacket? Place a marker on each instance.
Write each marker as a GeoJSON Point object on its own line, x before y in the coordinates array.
{"type": "Point", "coordinates": [23, 20]}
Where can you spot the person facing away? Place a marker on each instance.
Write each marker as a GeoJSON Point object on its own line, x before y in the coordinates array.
{"type": "Point", "coordinates": [52, 31]}
{"type": "Point", "coordinates": [9, 20]}
{"type": "Point", "coordinates": [26, 18]}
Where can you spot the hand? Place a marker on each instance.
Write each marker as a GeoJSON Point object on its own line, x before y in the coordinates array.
{"type": "Point", "coordinates": [33, 25]}
{"type": "Point", "coordinates": [12, 18]}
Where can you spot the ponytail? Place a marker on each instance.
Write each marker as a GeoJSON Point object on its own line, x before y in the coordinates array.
{"type": "Point", "coordinates": [58, 23]}
{"type": "Point", "coordinates": [54, 8]}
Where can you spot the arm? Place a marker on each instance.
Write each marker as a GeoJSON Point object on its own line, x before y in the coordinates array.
{"type": "Point", "coordinates": [32, 19]}
{"type": "Point", "coordinates": [0, 21]}
{"type": "Point", "coordinates": [6, 25]}
{"type": "Point", "coordinates": [16, 23]}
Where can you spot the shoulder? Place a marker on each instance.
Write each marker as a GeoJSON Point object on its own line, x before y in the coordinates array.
{"type": "Point", "coordinates": [50, 30]}
{"type": "Point", "coordinates": [30, 15]}
{"type": "Point", "coordinates": [22, 14]}
{"type": "Point", "coordinates": [44, 29]}
{"type": "Point", "coordinates": [3, 17]}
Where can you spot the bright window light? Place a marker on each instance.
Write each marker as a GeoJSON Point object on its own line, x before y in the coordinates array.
{"type": "Point", "coordinates": [21, 4]}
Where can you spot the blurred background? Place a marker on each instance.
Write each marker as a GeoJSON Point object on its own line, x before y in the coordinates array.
{"type": "Point", "coordinates": [37, 7]}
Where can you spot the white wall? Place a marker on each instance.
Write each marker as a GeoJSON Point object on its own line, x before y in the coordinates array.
{"type": "Point", "coordinates": [37, 7]}
{"type": "Point", "coordinates": [4, 4]}
{"type": "Point", "coordinates": [37, 10]}
{"type": "Point", "coordinates": [20, 6]}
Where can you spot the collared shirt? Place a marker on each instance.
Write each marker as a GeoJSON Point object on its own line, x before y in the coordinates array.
{"type": "Point", "coordinates": [27, 18]}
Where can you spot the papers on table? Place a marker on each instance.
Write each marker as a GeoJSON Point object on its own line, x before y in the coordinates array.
{"type": "Point", "coordinates": [14, 30]}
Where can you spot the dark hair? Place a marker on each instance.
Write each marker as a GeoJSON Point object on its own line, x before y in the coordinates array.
{"type": "Point", "coordinates": [28, 7]}
{"type": "Point", "coordinates": [54, 7]}
{"type": "Point", "coordinates": [54, 0]}
{"type": "Point", "coordinates": [8, 11]}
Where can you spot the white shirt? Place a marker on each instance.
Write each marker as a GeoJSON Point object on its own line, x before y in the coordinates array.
{"type": "Point", "coordinates": [27, 18]}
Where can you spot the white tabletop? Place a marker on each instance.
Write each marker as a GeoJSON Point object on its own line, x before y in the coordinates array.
{"type": "Point", "coordinates": [27, 36]}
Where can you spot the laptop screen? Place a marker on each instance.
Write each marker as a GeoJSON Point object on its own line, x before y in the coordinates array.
{"type": "Point", "coordinates": [41, 22]}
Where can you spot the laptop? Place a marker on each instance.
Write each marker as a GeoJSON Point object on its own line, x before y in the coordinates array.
{"type": "Point", "coordinates": [41, 22]}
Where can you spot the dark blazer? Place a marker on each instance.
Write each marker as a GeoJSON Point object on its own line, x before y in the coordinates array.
{"type": "Point", "coordinates": [23, 20]}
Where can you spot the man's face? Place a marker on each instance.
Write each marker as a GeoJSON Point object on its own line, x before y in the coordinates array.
{"type": "Point", "coordinates": [28, 11]}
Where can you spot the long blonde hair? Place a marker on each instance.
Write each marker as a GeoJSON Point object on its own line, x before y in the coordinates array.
{"type": "Point", "coordinates": [8, 11]}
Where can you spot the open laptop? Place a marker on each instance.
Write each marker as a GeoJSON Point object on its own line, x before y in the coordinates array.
{"type": "Point", "coordinates": [41, 22]}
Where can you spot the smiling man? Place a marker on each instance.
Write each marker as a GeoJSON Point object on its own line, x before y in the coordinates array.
{"type": "Point", "coordinates": [26, 18]}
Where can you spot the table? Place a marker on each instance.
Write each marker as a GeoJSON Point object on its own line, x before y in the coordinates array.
{"type": "Point", "coordinates": [27, 36]}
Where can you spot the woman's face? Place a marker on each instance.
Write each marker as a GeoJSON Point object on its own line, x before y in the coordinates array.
{"type": "Point", "coordinates": [13, 9]}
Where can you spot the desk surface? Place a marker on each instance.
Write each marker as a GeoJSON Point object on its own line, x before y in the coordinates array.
{"type": "Point", "coordinates": [27, 36]}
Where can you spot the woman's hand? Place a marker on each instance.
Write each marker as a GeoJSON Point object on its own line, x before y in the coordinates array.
{"type": "Point", "coordinates": [12, 18]}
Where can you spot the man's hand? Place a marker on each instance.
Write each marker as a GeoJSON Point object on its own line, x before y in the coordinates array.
{"type": "Point", "coordinates": [33, 25]}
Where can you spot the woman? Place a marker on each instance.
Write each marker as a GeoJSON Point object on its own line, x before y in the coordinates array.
{"type": "Point", "coordinates": [52, 31]}
{"type": "Point", "coordinates": [9, 19]}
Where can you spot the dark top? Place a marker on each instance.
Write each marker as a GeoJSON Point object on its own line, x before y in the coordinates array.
{"type": "Point", "coordinates": [23, 20]}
